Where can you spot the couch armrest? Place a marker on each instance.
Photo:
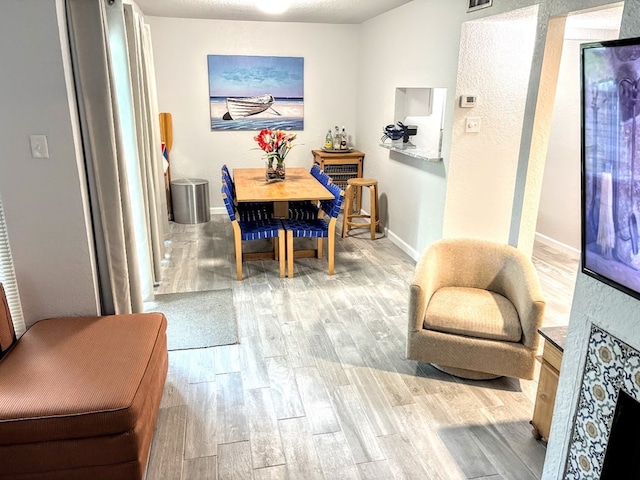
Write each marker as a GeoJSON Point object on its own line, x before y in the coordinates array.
{"type": "Point", "coordinates": [7, 332]}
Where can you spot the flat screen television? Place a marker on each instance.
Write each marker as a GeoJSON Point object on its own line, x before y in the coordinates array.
{"type": "Point", "coordinates": [610, 91]}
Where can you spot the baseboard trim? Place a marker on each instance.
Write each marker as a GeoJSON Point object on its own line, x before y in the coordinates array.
{"type": "Point", "coordinates": [402, 245]}
{"type": "Point", "coordinates": [555, 243]}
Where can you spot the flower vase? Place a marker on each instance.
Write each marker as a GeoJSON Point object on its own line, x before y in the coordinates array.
{"type": "Point", "coordinates": [275, 172]}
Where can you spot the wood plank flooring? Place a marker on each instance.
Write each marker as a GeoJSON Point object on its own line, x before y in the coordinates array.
{"type": "Point", "coordinates": [318, 386]}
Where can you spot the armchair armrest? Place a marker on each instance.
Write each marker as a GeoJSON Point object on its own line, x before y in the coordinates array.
{"type": "Point", "coordinates": [523, 290]}
{"type": "Point", "coordinates": [424, 284]}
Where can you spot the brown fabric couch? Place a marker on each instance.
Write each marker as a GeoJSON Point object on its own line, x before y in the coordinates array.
{"type": "Point", "coordinates": [79, 397]}
{"type": "Point", "coordinates": [474, 309]}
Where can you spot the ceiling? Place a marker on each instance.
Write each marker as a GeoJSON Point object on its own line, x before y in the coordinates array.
{"type": "Point", "coordinates": [307, 11]}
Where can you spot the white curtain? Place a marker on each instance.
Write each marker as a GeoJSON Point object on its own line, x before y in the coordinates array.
{"type": "Point", "coordinates": [148, 132]}
{"type": "Point", "coordinates": [8, 278]}
{"type": "Point", "coordinates": [122, 151]}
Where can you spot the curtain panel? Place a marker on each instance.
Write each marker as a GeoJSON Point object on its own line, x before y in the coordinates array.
{"type": "Point", "coordinates": [120, 151]}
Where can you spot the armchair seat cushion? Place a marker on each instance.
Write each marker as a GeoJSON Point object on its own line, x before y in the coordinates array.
{"type": "Point", "coordinates": [473, 312]}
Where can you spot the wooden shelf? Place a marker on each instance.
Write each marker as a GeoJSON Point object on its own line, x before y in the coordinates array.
{"type": "Point", "coordinates": [341, 166]}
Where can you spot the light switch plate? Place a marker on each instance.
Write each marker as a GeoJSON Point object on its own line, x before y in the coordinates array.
{"type": "Point", "coordinates": [39, 147]}
{"type": "Point", "coordinates": [472, 124]}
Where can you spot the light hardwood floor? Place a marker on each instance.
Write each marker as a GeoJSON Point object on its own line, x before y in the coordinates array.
{"type": "Point", "coordinates": [318, 386]}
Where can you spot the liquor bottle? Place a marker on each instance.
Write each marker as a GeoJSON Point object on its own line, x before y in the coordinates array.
{"type": "Point", "coordinates": [343, 139]}
{"type": "Point", "coordinates": [336, 139]}
{"type": "Point", "coordinates": [328, 142]}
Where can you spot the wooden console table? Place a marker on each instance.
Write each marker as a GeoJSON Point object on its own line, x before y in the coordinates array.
{"type": "Point", "coordinates": [341, 166]}
{"type": "Point", "coordinates": [554, 341]}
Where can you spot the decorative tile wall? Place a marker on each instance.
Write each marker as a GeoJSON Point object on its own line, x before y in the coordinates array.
{"type": "Point", "coordinates": [610, 365]}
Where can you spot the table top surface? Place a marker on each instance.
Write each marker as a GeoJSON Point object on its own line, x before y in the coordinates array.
{"type": "Point", "coordinates": [251, 186]}
{"type": "Point", "coordinates": [556, 335]}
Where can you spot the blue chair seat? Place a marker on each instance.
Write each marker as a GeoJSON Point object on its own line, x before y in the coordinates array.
{"type": "Point", "coordinates": [252, 230]}
{"type": "Point", "coordinates": [259, 229]}
{"type": "Point", "coordinates": [317, 228]}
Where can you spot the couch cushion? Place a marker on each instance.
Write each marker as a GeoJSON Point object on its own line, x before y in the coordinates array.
{"type": "Point", "coordinates": [473, 312]}
{"type": "Point", "coordinates": [80, 377]}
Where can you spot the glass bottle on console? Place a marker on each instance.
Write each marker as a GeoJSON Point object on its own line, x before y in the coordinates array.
{"type": "Point", "coordinates": [328, 141]}
{"type": "Point", "coordinates": [343, 139]}
{"type": "Point", "coordinates": [336, 138]}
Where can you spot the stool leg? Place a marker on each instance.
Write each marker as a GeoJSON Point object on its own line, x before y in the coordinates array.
{"type": "Point", "coordinates": [373, 213]}
{"type": "Point", "coordinates": [348, 209]}
{"type": "Point", "coordinates": [378, 228]}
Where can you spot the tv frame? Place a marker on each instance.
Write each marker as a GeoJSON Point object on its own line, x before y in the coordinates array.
{"type": "Point", "coordinates": [610, 173]}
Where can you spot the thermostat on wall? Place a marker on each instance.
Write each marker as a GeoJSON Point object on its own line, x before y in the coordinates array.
{"type": "Point", "coordinates": [468, 101]}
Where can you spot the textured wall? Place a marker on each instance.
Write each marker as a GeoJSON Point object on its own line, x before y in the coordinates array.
{"type": "Point", "coordinates": [494, 64]}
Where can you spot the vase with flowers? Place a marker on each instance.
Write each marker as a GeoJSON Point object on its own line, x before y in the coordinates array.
{"type": "Point", "coordinates": [276, 145]}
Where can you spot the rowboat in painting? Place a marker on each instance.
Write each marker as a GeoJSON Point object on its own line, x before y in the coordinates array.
{"type": "Point", "coordinates": [246, 106]}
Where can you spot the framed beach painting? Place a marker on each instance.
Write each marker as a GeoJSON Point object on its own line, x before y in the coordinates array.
{"type": "Point", "coordinates": [249, 92]}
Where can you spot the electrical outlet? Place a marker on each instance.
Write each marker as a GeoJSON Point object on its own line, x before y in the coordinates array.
{"type": "Point", "coordinates": [472, 124]}
{"type": "Point", "coordinates": [39, 147]}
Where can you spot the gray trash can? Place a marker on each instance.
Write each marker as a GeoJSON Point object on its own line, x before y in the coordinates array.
{"type": "Point", "coordinates": [190, 200]}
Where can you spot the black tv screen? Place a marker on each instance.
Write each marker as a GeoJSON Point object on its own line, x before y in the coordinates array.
{"type": "Point", "coordinates": [610, 92]}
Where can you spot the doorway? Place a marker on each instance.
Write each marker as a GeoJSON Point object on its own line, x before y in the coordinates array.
{"type": "Point", "coordinates": [557, 239]}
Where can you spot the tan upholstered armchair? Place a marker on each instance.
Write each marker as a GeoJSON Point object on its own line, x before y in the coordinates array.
{"type": "Point", "coordinates": [474, 310]}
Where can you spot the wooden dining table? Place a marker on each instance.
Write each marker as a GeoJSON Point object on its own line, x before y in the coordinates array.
{"type": "Point", "coordinates": [251, 186]}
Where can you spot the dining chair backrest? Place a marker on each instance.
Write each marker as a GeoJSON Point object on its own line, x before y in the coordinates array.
{"type": "Point", "coordinates": [315, 171]}
{"type": "Point", "coordinates": [227, 182]}
{"type": "Point", "coordinates": [319, 175]}
{"type": "Point", "coordinates": [332, 207]}
{"type": "Point", "coordinates": [228, 201]}
{"type": "Point", "coordinates": [226, 177]}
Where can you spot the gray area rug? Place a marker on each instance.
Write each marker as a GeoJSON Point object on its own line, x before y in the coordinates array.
{"type": "Point", "coordinates": [197, 319]}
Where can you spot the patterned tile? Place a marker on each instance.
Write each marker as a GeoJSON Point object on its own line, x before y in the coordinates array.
{"type": "Point", "coordinates": [610, 365]}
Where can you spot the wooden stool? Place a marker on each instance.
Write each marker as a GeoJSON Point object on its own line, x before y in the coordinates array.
{"type": "Point", "coordinates": [353, 185]}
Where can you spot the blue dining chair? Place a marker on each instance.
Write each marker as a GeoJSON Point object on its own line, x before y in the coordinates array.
{"type": "Point", "coordinates": [305, 209]}
{"type": "Point", "coordinates": [247, 211]}
{"type": "Point", "coordinates": [320, 175]}
{"type": "Point", "coordinates": [244, 230]}
{"type": "Point", "coordinates": [319, 228]}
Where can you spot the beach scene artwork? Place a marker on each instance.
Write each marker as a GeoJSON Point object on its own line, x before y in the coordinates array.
{"type": "Point", "coordinates": [249, 92]}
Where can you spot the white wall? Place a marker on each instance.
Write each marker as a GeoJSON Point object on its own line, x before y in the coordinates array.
{"type": "Point", "coordinates": [42, 198]}
{"type": "Point", "coordinates": [415, 45]}
{"type": "Point", "coordinates": [495, 64]}
{"type": "Point", "coordinates": [180, 49]}
{"type": "Point", "coordinates": [559, 214]}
